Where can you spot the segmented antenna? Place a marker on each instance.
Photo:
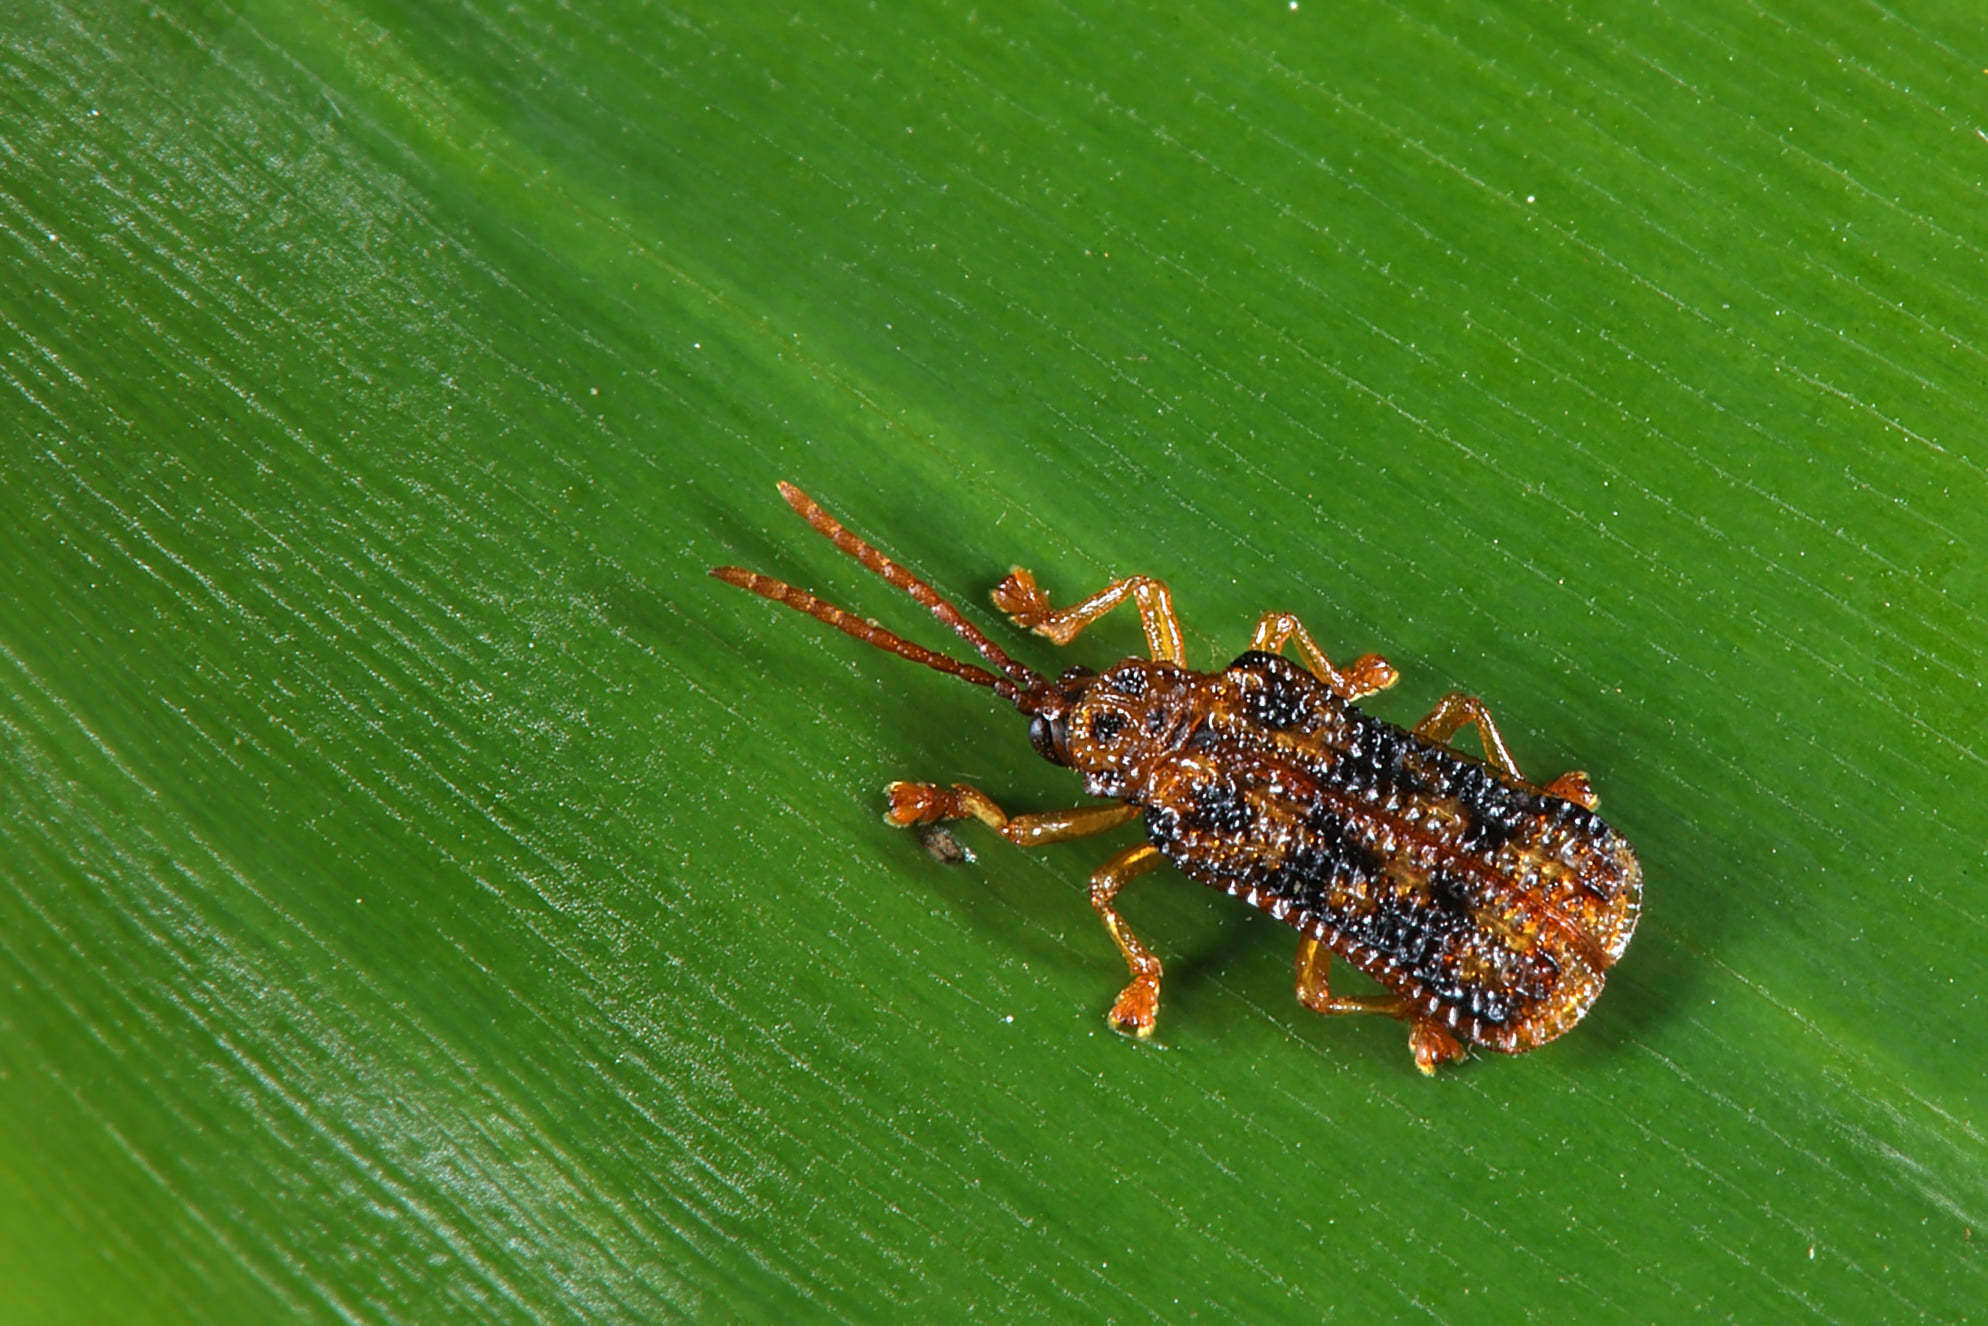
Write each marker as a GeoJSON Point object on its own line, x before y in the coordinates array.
{"type": "Point", "coordinates": [1019, 677]}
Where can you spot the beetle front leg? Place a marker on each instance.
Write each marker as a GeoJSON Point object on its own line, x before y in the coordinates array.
{"type": "Point", "coordinates": [1456, 709]}
{"type": "Point", "coordinates": [1138, 1004]}
{"type": "Point", "coordinates": [929, 803]}
{"type": "Point", "coordinates": [1028, 607]}
{"type": "Point", "coordinates": [1369, 673]}
{"type": "Point", "coordinates": [1137, 1007]}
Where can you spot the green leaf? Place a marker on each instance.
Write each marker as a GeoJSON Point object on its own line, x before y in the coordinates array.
{"type": "Point", "coordinates": [428, 896]}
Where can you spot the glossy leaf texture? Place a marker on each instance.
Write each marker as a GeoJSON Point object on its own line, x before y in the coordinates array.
{"type": "Point", "coordinates": [428, 896]}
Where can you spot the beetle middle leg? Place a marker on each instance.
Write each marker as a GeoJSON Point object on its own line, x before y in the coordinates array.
{"type": "Point", "coordinates": [1369, 673]}
{"type": "Point", "coordinates": [1027, 606]}
{"type": "Point", "coordinates": [1456, 709]}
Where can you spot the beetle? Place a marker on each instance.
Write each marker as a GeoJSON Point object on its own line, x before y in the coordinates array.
{"type": "Point", "coordinates": [1488, 907]}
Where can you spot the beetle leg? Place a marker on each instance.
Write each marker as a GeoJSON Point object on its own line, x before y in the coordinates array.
{"type": "Point", "coordinates": [1574, 786]}
{"type": "Point", "coordinates": [1369, 673]}
{"type": "Point", "coordinates": [928, 803]}
{"type": "Point", "coordinates": [1428, 1040]}
{"type": "Point", "coordinates": [1456, 709]}
{"type": "Point", "coordinates": [1314, 958]}
{"type": "Point", "coordinates": [1433, 1046]}
{"type": "Point", "coordinates": [1138, 1005]}
{"type": "Point", "coordinates": [1028, 607]}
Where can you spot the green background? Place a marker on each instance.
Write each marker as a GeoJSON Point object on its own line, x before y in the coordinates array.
{"type": "Point", "coordinates": [427, 896]}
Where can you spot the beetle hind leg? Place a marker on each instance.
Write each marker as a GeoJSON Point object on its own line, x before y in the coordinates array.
{"type": "Point", "coordinates": [1432, 1045]}
{"type": "Point", "coordinates": [1452, 713]}
{"type": "Point", "coordinates": [1428, 1039]}
{"type": "Point", "coordinates": [1574, 786]}
{"type": "Point", "coordinates": [1315, 990]}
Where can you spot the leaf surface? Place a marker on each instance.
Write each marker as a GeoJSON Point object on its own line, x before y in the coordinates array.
{"type": "Point", "coordinates": [428, 896]}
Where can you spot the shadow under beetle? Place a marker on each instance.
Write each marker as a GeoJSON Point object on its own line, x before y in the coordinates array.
{"type": "Point", "coordinates": [1489, 907]}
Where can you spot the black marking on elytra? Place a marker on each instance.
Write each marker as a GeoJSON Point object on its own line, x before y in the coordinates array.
{"type": "Point", "coordinates": [1493, 820]}
{"type": "Point", "coordinates": [1452, 892]}
{"type": "Point", "coordinates": [1329, 856]}
{"type": "Point", "coordinates": [1275, 693]}
{"type": "Point", "coordinates": [1220, 808]}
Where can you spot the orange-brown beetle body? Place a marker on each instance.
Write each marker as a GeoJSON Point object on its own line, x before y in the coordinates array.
{"type": "Point", "coordinates": [1488, 906]}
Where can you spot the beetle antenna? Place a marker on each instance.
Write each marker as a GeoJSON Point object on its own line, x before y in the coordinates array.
{"type": "Point", "coordinates": [1019, 678]}
{"type": "Point", "coordinates": [850, 624]}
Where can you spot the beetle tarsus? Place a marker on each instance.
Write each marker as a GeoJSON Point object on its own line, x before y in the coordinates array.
{"type": "Point", "coordinates": [1432, 1046]}
{"type": "Point", "coordinates": [1137, 1009]}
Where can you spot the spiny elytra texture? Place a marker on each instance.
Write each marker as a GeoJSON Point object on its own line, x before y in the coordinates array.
{"type": "Point", "coordinates": [1492, 906]}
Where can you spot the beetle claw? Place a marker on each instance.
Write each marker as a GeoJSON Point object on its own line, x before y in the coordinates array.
{"type": "Point", "coordinates": [1137, 1010]}
{"type": "Point", "coordinates": [1433, 1047]}
{"type": "Point", "coordinates": [1021, 599]}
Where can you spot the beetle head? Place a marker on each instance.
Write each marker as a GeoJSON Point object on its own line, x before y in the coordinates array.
{"type": "Point", "coordinates": [1049, 706]}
